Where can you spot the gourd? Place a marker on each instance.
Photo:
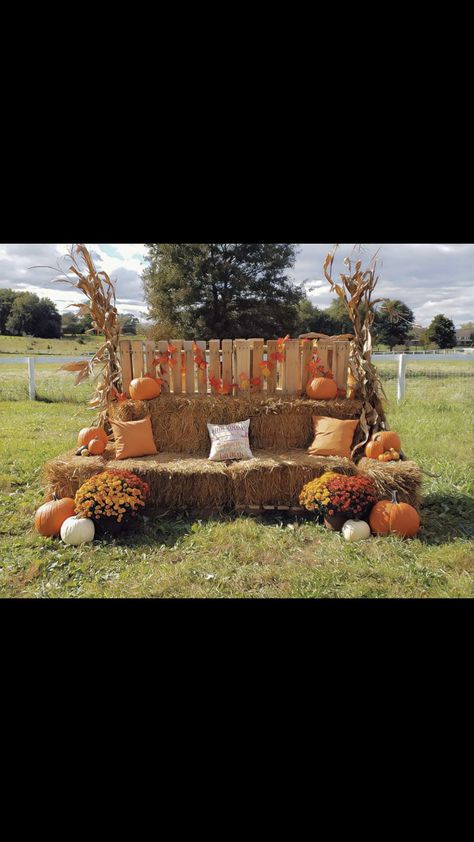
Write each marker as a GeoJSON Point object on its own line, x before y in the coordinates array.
{"type": "Point", "coordinates": [80, 450]}
{"type": "Point", "coordinates": [96, 447]}
{"type": "Point", "coordinates": [51, 515]}
{"type": "Point", "coordinates": [374, 450]}
{"type": "Point", "coordinates": [321, 388]}
{"type": "Point", "coordinates": [77, 530]}
{"type": "Point", "coordinates": [390, 516]}
{"type": "Point", "coordinates": [144, 389]}
{"type": "Point", "coordinates": [356, 530]}
{"type": "Point", "coordinates": [388, 439]}
{"type": "Point", "coordinates": [389, 456]}
{"type": "Point", "coordinates": [88, 433]}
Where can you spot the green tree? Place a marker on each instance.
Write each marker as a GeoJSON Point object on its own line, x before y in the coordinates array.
{"type": "Point", "coordinates": [70, 324]}
{"type": "Point", "coordinates": [129, 323]}
{"type": "Point", "coordinates": [7, 297]}
{"type": "Point", "coordinates": [34, 316]}
{"type": "Point", "coordinates": [312, 319]}
{"type": "Point", "coordinates": [222, 290]}
{"type": "Point", "coordinates": [393, 323]}
{"type": "Point", "coordinates": [338, 313]}
{"type": "Point", "coordinates": [21, 319]}
{"type": "Point", "coordinates": [442, 331]}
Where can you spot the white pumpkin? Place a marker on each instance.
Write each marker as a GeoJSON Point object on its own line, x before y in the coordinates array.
{"type": "Point", "coordinates": [356, 530]}
{"type": "Point", "coordinates": [77, 530]}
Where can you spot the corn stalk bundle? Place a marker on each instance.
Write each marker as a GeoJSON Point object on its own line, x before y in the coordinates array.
{"type": "Point", "coordinates": [356, 290]}
{"type": "Point", "coordinates": [104, 366]}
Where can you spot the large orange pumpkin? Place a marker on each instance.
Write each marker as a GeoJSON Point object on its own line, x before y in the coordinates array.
{"type": "Point", "coordinates": [388, 439]}
{"type": "Point", "coordinates": [50, 516]}
{"type": "Point", "coordinates": [144, 389]}
{"type": "Point", "coordinates": [389, 516]}
{"type": "Point", "coordinates": [374, 449]}
{"type": "Point", "coordinates": [321, 388]}
{"type": "Point", "coordinates": [88, 433]}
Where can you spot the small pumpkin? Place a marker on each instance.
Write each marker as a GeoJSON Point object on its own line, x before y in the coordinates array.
{"type": "Point", "coordinates": [80, 449]}
{"type": "Point", "coordinates": [385, 457]}
{"type": "Point", "coordinates": [390, 516]}
{"type": "Point", "coordinates": [88, 433]}
{"type": "Point", "coordinates": [77, 530]}
{"type": "Point", "coordinates": [395, 455]}
{"type": "Point", "coordinates": [374, 449]}
{"type": "Point", "coordinates": [85, 452]}
{"type": "Point", "coordinates": [51, 515]}
{"type": "Point", "coordinates": [144, 389]}
{"type": "Point", "coordinates": [356, 530]}
{"type": "Point", "coordinates": [96, 447]}
{"type": "Point", "coordinates": [321, 388]}
{"type": "Point", "coordinates": [388, 439]}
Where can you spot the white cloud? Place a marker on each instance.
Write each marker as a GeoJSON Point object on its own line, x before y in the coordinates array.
{"type": "Point", "coordinates": [429, 277]}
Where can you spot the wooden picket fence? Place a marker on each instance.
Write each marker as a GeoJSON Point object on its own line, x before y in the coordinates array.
{"type": "Point", "coordinates": [235, 363]}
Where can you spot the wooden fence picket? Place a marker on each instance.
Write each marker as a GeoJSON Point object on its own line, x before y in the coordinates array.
{"type": "Point", "coordinates": [126, 363]}
{"type": "Point", "coordinates": [137, 358]}
{"type": "Point", "coordinates": [292, 366]}
{"type": "Point", "coordinates": [272, 348]}
{"type": "Point", "coordinates": [202, 373]}
{"type": "Point", "coordinates": [189, 367]}
{"type": "Point", "coordinates": [242, 362]}
{"type": "Point", "coordinates": [257, 358]}
{"type": "Point", "coordinates": [165, 369]}
{"type": "Point", "coordinates": [227, 371]}
{"type": "Point", "coordinates": [214, 362]}
{"type": "Point", "coordinates": [176, 368]}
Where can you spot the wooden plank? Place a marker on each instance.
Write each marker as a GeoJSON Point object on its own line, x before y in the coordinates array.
{"type": "Point", "coordinates": [149, 355]}
{"type": "Point", "coordinates": [126, 363]}
{"type": "Point", "coordinates": [214, 362]}
{"type": "Point", "coordinates": [345, 365]}
{"type": "Point", "coordinates": [322, 352]}
{"type": "Point", "coordinates": [306, 353]}
{"type": "Point", "coordinates": [176, 369]}
{"type": "Point", "coordinates": [257, 358]}
{"type": "Point", "coordinates": [272, 348]}
{"type": "Point", "coordinates": [137, 358]}
{"type": "Point", "coordinates": [292, 366]}
{"type": "Point", "coordinates": [331, 356]}
{"type": "Point", "coordinates": [189, 367]}
{"type": "Point", "coordinates": [227, 372]}
{"type": "Point", "coordinates": [165, 370]}
{"type": "Point", "coordinates": [202, 373]}
{"type": "Point", "coordinates": [242, 361]}
{"type": "Point", "coordinates": [341, 364]}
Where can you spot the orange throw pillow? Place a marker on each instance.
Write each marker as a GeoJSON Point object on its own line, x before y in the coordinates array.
{"type": "Point", "coordinates": [133, 438]}
{"type": "Point", "coordinates": [332, 437]}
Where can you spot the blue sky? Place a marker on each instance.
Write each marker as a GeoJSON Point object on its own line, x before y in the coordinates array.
{"type": "Point", "coordinates": [430, 277]}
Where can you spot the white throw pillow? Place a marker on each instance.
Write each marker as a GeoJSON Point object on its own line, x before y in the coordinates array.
{"type": "Point", "coordinates": [230, 441]}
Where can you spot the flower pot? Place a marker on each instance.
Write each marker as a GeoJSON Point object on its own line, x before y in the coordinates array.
{"type": "Point", "coordinates": [336, 522]}
{"type": "Point", "coordinates": [109, 527]}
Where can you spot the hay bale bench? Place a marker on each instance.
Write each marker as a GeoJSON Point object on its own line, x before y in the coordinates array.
{"type": "Point", "coordinates": [181, 477]}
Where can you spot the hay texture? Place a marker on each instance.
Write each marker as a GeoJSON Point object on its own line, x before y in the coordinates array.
{"type": "Point", "coordinates": [180, 483]}
{"type": "Point", "coordinates": [276, 423]}
{"type": "Point", "coordinates": [402, 477]}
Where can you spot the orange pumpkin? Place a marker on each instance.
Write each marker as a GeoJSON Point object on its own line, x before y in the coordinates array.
{"type": "Point", "coordinates": [374, 450]}
{"type": "Point", "coordinates": [321, 388]}
{"type": "Point", "coordinates": [388, 439]}
{"type": "Point", "coordinates": [96, 447]}
{"type": "Point", "coordinates": [88, 433]}
{"type": "Point", "coordinates": [385, 457]}
{"type": "Point", "coordinates": [50, 516]}
{"type": "Point", "coordinates": [144, 389]}
{"type": "Point", "coordinates": [389, 516]}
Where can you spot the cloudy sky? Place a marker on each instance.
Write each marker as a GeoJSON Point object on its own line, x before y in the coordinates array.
{"type": "Point", "coordinates": [430, 278]}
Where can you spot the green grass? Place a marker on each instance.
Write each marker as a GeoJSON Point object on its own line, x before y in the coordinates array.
{"type": "Point", "coordinates": [68, 345]}
{"type": "Point", "coordinates": [259, 557]}
{"type": "Point", "coordinates": [52, 385]}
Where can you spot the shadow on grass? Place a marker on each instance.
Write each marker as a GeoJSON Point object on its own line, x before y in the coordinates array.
{"type": "Point", "coordinates": [444, 518]}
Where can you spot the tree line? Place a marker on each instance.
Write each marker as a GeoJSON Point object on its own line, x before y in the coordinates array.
{"type": "Point", "coordinates": [230, 290]}
{"type": "Point", "coordinates": [26, 314]}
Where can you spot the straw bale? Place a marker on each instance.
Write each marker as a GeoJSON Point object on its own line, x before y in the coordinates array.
{"type": "Point", "coordinates": [403, 477]}
{"type": "Point", "coordinates": [276, 423]}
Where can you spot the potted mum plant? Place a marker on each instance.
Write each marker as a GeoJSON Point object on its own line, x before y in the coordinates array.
{"type": "Point", "coordinates": [336, 498]}
{"type": "Point", "coordinates": [112, 499]}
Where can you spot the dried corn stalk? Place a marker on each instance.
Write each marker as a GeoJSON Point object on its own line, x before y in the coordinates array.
{"type": "Point", "coordinates": [104, 366]}
{"type": "Point", "coordinates": [356, 290]}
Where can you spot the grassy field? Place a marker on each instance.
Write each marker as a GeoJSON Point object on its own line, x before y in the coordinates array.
{"type": "Point", "coordinates": [68, 345]}
{"type": "Point", "coordinates": [259, 557]}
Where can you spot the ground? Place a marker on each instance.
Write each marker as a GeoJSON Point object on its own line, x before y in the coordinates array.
{"type": "Point", "coordinates": [241, 556]}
